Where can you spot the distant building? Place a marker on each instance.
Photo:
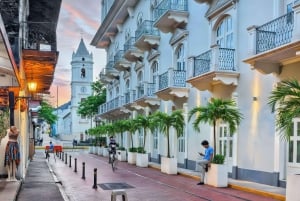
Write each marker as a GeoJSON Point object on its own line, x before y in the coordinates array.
{"type": "Point", "coordinates": [70, 125]}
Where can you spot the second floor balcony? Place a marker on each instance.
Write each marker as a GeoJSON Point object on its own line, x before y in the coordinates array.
{"type": "Point", "coordinates": [103, 78]}
{"type": "Point", "coordinates": [275, 43]}
{"type": "Point", "coordinates": [146, 96]}
{"type": "Point", "coordinates": [172, 86]}
{"type": "Point", "coordinates": [110, 71]}
{"type": "Point", "coordinates": [213, 67]}
{"type": "Point", "coordinates": [131, 52]}
{"type": "Point", "coordinates": [113, 108]}
{"type": "Point", "coordinates": [171, 14]}
{"type": "Point", "coordinates": [121, 64]}
{"type": "Point", "coordinates": [147, 36]}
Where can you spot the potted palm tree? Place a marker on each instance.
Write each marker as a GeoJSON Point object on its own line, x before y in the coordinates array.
{"type": "Point", "coordinates": [131, 128]}
{"type": "Point", "coordinates": [285, 100]}
{"type": "Point", "coordinates": [144, 123]}
{"type": "Point", "coordinates": [216, 110]}
{"type": "Point", "coordinates": [121, 127]}
{"type": "Point", "coordinates": [165, 122]}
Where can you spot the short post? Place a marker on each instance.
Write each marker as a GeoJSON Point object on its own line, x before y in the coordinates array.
{"type": "Point", "coordinates": [75, 165]}
{"type": "Point", "coordinates": [70, 161]}
{"type": "Point", "coordinates": [62, 156]}
{"type": "Point", "coordinates": [66, 158]}
{"type": "Point", "coordinates": [95, 179]}
{"type": "Point", "coordinates": [83, 170]}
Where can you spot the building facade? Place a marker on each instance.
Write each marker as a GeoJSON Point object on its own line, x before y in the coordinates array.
{"type": "Point", "coordinates": [178, 54]}
{"type": "Point", "coordinates": [70, 124]}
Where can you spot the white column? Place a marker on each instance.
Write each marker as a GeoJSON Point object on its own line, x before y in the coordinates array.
{"type": "Point", "coordinates": [235, 137]}
{"type": "Point", "coordinates": [252, 40]}
{"type": "Point", "coordinates": [185, 114]}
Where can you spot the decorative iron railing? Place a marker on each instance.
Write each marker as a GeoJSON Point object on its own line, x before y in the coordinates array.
{"type": "Point", "coordinates": [119, 55]}
{"type": "Point", "coordinates": [127, 97]}
{"type": "Point", "coordinates": [163, 81]}
{"type": "Point", "coordinates": [111, 105]}
{"type": "Point", "coordinates": [129, 44]}
{"type": "Point", "coordinates": [202, 63]}
{"type": "Point", "coordinates": [165, 5]}
{"type": "Point", "coordinates": [178, 79]}
{"type": "Point", "coordinates": [274, 33]}
{"type": "Point", "coordinates": [146, 28]}
{"type": "Point", "coordinates": [225, 61]}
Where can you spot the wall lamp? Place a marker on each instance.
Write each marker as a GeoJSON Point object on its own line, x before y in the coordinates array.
{"type": "Point", "coordinates": [254, 98]}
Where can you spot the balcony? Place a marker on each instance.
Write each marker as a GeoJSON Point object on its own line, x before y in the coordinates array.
{"type": "Point", "coordinates": [172, 86]}
{"type": "Point", "coordinates": [110, 71]}
{"type": "Point", "coordinates": [171, 14]}
{"type": "Point", "coordinates": [276, 43]}
{"type": "Point", "coordinates": [147, 37]}
{"type": "Point", "coordinates": [214, 68]}
{"type": "Point", "coordinates": [131, 53]}
{"type": "Point", "coordinates": [113, 108]}
{"type": "Point", "coordinates": [146, 95]}
{"type": "Point", "coordinates": [121, 64]}
{"type": "Point", "coordinates": [103, 78]}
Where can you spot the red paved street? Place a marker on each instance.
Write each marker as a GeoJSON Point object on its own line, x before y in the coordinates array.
{"type": "Point", "coordinates": [149, 184]}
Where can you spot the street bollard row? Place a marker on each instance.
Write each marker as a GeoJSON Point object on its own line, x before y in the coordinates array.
{"type": "Point", "coordinates": [64, 157]}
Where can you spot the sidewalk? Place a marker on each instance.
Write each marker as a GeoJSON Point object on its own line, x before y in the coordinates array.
{"type": "Point", "coordinates": [41, 184]}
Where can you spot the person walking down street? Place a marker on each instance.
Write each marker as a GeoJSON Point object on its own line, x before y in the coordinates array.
{"type": "Point", "coordinates": [112, 147]}
{"type": "Point", "coordinates": [205, 161]}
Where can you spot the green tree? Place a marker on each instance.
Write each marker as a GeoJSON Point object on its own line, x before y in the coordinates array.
{"type": "Point", "coordinates": [217, 109]}
{"type": "Point", "coordinates": [47, 113]}
{"type": "Point", "coordinates": [145, 123]}
{"type": "Point", "coordinates": [131, 126]}
{"type": "Point", "coordinates": [165, 122]}
{"type": "Point", "coordinates": [89, 106]}
{"type": "Point", "coordinates": [285, 100]}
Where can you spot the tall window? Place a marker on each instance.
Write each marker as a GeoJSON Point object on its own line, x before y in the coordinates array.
{"type": "Point", "coordinates": [155, 139]}
{"type": "Point", "coordinates": [294, 144]}
{"type": "Point", "coordinates": [154, 72]}
{"type": "Point", "coordinates": [225, 141]}
{"type": "Point", "coordinates": [224, 33]}
{"type": "Point", "coordinates": [180, 58]}
{"type": "Point", "coordinates": [141, 137]}
{"type": "Point", "coordinates": [181, 143]}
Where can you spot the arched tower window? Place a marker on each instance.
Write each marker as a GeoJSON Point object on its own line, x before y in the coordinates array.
{"type": "Point", "coordinates": [82, 71]}
{"type": "Point", "coordinates": [180, 58]}
{"type": "Point", "coordinates": [224, 33]}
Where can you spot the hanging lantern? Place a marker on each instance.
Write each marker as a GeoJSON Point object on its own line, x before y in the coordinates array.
{"type": "Point", "coordinates": [32, 86]}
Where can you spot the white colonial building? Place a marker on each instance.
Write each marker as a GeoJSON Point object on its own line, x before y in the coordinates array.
{"type": "Point", "coordinates": [70, 124]}
{"type": "Point", "coordinates": [177, 54]}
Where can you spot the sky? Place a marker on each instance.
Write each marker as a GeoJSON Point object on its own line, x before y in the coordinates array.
{"type": "Point", "coordinates": [77, 19]}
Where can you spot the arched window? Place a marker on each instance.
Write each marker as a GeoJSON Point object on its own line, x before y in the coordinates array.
{"type": "Point", "coordinates": [180, 58]}
{"type": "Point", "coordinates": [224, 33]}
{"type": "Point", "coordinates": [139, 19]}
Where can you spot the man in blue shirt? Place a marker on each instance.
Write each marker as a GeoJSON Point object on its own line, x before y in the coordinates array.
{"type": "Point", "coordinates": [203, 163]}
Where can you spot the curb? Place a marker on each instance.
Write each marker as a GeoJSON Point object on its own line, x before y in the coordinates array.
{"type": "Point", "coordinates": [237, 187]}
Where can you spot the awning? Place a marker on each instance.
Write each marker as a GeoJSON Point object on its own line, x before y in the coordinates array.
{"type": "Point", "coordinates": [9, 76]}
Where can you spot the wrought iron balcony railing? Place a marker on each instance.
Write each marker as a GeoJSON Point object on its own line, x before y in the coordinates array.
{"type": "Point", "coordinates": [111, 105]}
{"type": "Point", "coordinates": [129, 44]}
{"type": "Point", "coordinates": [275, 33]}
{"type": "Point", "coordinates": [172, 78]}
{"type": "Point", "coordinates": [146, 28]}
{"type": "Point", "coordinates": [224, 61]}
{"type": "Point", "coordinates": [165, 5]}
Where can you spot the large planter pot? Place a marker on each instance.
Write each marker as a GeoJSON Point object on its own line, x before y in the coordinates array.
{"type": "Point", "coordinates": [168, 165]}
{"type": "Point", "coordinates": [105, 152]}
{"type": "Point", "coordinates": [292, 186]}
{"type": "Point", "coordinates": [100, 151]}
{"type": "Point", "coordinates": [96, 150]}
{"type": "Point", "coordinates": [217, 176]}
{"type": "Point", "coordinates": [142, 160]}
{"type": "Point", "coordinates": [121, 155]}
{"type": "Point", "coordinates": [131, 158]}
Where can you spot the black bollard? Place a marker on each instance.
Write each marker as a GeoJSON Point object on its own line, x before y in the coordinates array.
{"type": "Point", "coordinates": [70, 161]}
{"type": "Point", "coordinates": [62, 156]}
{"type": "Point", "coordinates": [75, 161]}
{"type": "Point", "coordinates": [66, 159]}
{"type": "Point", "coordinates": [95, 179]}
{"type": "Point", "coordinates": [83, 170]}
